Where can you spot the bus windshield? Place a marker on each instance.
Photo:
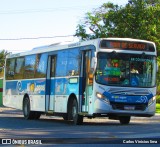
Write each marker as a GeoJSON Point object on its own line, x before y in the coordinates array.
{"type": "Point", "coordinates": [120, 69]}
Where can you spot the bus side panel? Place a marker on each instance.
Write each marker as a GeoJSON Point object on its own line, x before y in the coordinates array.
{"type": "Point", "coordinates": [10, 99]}
{"type": "Point", "coordinates": [64, 87]}
{"type": "Point", "coordinates": [15, 91]}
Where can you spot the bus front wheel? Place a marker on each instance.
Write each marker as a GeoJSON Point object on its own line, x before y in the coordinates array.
{"type": "Point", "coordinates": [77, 119]}
{"type": "Point", "coordinates": [124, 120]}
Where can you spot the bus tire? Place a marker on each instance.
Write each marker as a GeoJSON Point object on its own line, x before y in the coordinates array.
{"type": "Point", "coordinates": [28, 114]}
{"type": "Point", "coordinates": [65, 117]}
{"type": "Point", "coordinates": [36, 115]}
{"type": "Point", "coordinates": [124, 120]}
{"type": "Point", "coordinates": [77, 119]}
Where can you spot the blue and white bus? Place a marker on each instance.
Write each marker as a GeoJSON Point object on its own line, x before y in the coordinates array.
{"type": "Point", "coordinates": [105, 77]}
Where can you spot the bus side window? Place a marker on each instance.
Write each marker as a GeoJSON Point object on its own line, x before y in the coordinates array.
{"type": "Point", "coordinates": [73, 63]}
{"type": "Point", "coordinates": [10, 69]}
{"type": "Point", "coordinates": [61, 62]}
{"type": "Point", "coordinates": [30, 62]}
{"type": "Point", "coordinates": [19, 68]}
{"type": "Point", "coordinates": [41, 66]}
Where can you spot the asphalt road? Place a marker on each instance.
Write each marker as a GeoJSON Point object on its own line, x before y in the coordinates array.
{"type": "Point", "coordinates": [98, 131]}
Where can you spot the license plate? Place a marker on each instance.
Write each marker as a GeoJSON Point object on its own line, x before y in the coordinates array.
{"type": "Point", "coordinates": [129, 107]}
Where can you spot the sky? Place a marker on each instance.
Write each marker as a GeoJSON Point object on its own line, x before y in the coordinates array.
{"type": "Point", "coordinates": [42, 18]}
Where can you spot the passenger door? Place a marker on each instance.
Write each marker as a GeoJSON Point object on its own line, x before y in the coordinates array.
{"type": "Point", "coordinates": [50, 84]}
{"type": "Point", "coordinates": [87, 79]}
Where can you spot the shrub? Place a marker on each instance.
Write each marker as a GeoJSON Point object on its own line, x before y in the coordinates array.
{"type": "Point", "coordinates": [158, 99]}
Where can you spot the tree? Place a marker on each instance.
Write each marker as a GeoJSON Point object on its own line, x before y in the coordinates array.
{"type": "Point", "coordinates": [3, 54]}
{"type": "Point", "coordinates": [138, 19]}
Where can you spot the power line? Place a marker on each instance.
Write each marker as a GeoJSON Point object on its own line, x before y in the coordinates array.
{"type": "Point", "coordinates": [33, 38]}
{"type": "Point", "coordinates": [47, 10]}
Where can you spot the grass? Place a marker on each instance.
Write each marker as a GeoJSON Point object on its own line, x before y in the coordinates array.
{"type": "Point", "coordinates": [157, 108]}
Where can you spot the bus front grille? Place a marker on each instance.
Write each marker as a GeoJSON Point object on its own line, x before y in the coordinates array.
{"type": "Point", "coordinates": [124, 106]}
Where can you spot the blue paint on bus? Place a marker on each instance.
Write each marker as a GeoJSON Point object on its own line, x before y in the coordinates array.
{"type": "Point", "coordinates": [128, 98]}
{"type": "Point", "coordinates": [60, 86]}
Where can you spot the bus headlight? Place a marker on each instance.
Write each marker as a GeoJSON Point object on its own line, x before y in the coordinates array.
{"type": "Point", "coordinates": [101, 96]}
{"type": "Point", "coordinates": [151, 100]}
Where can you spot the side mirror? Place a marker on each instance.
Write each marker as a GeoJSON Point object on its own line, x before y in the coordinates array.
{"type": "Point", "coordinates": [93, 64]}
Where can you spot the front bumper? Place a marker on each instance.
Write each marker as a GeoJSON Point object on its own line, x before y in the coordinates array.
{"type": "Point", "coordinates": [100, 107]}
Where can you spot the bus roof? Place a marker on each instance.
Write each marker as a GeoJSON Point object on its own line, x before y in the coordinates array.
{"type": "Point", "coordinates": [60, 46]}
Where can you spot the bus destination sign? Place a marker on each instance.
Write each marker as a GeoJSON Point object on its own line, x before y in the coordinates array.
{"type": "Point", "coordinates": [111, 44]}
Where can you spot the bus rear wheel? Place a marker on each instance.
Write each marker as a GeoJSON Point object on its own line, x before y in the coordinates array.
{"type": "Point", "coordinates": [36, 115]}
{"type": "Point", "coordinates": [28, 114]}
{"type": "Point", "coordinates": [124, 120]}
{"type": "Point", "coordinates": [26, 109]}
{"type": "Point", "coordinates": [77, 119]}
